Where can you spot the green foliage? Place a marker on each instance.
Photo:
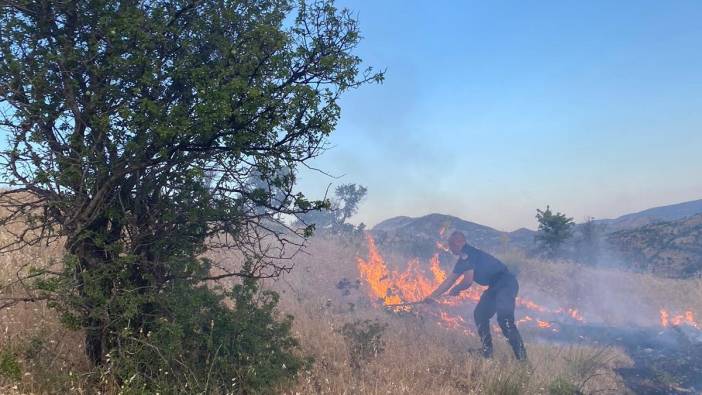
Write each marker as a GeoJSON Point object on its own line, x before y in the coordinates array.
{"type": "Point", "coordinates": [554, 230]}
{"type": "Point", "coordinates": [144, 134]}
{"type": "Point", "coordinates": [364, 340]}
{"type": "Point", "coordinates": [185, 336]}
{"type": "Point", "coordinates": [9, 365]}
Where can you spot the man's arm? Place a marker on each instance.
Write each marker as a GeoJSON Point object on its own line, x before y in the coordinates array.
{"type": "Point", "coordinates": [464, 284]}
{"type": "Point", "coordinates": [444, 286]}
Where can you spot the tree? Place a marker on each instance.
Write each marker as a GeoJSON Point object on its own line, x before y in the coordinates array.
{"type": "Point", "coordinates": [338, 210]}
{"type": "Point", "coordinates": [134, 129]}
{"type": "Point", "coordinates": [554, 230]}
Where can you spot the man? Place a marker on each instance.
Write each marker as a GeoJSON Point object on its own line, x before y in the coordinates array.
{"type": "Point", "coordinates": [483, 268]}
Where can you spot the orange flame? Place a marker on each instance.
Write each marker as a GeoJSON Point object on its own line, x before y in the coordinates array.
{"type": "Point", "coordinates": [441, 246]}
{"type": "Point", "coordinates": [543, 324]}
{"type": "Point", "coordinates": [412, 284]}
{"type": "Point", "coordinates": [439, 275]}
{"type": "Point", "coordinates": [451, 321]}
{"type": "Point", "coordinates": [393, 287]}
{"type": "Point", "coordinates": [664, 318]}
{"type": "Point", "coordinates": [687, 318]}
{"type": "Point", "coordinates": [572, 313]}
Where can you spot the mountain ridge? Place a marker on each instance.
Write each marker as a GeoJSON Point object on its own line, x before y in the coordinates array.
{"type": "Point", "coordinates": [669, 212]}
{"type": "Point", "coordinates": [636, 239]}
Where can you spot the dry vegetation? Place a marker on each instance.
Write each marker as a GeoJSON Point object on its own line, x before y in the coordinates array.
{"type": "Point", "coordinates": [49, 357]}
{"type": "Point", "coordinates": [419, 356]}
{"type": "Point", "coordinates": [606, 295]}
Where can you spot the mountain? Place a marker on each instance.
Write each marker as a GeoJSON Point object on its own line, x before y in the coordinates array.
{"type": "Point", "coordinates": [667, 248]}
{"type": "Point", "coordinates": [418, 236]}
{"type": "Point", "coordinates": [393, 223]}
{"type": "Point", "coordinates": [671, 212]}
{"type": "Point", "coordinates": [665, 240]}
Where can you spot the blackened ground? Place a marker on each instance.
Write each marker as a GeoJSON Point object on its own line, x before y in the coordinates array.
{"type": "Point", "coordinates": [666, 361]}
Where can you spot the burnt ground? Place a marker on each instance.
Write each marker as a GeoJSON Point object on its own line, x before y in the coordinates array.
{"type": "Point", "coordinates": [667, 361]}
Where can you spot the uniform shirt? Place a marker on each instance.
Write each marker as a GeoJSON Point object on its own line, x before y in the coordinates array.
{"type": "Point", "coordinates": [485, 266]}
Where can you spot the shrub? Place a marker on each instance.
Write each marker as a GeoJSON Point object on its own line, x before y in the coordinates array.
{"type": "Point", "coordinates": [186, 336]}
{"type": "Point", "coordinates": [201, 345]}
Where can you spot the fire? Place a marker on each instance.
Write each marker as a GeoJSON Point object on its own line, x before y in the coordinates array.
{"type": "Point", "coordinates": [439, 275]}
{"type": "Point", "coordinates": [572, 313]}
{"type": "Point", "coordinates": [441, 246]}
{"type": "Point", "coordinates": [543, 324]}
{"type": "Point", "coordinates": [412, 285]}
{"type": "Point", "coordinates": [664, 318]}
{"type": "Point", "coordinates": [451, 321]}
{"type": "Point", "coordinates": [686, 318]}
{"type": "Point", "coordinates": [393, 287]}
{"type": "Point", "coordinates": [575, 314]}
{"type": "Point", "coordinates": [531, 305]}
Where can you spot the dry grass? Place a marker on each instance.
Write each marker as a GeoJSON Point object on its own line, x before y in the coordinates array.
{"type": "Point", "coordinates": [50, 356]}
{"type": "Point", "coordinates": [423, 358]}
{"type": "Point", "coordinates": [420, 357]}
{"type": "Point", "coordinates": [607, 295]}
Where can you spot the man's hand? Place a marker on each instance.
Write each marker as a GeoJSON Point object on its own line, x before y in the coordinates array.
{"type": "Point", "coordinates": [442, 288]}
{"type": "Point", "coordinates": [464, 284]}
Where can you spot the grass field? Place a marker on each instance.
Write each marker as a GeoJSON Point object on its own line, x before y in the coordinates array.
{"type": "Point", "coordinates": [408, 353]}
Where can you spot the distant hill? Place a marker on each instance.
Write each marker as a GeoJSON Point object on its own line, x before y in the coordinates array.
{"type": "Point", "coordinates": [665, 240]}
{"type": "Point", "coordinates": [418, 236]}
{"type": "Point", "coordinates": [671, 212]}
{"type": "Point", "coordinates": [669, 248]}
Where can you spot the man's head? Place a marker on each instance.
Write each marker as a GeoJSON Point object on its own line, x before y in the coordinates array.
{"type": "Point", "coordinates": [456, 242]}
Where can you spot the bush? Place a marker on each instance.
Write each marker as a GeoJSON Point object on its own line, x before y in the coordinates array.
{"type": "Point", "coordinates": [364, 340]}
{"type": "Point", "coordinates": [186, 336]}
{"type": "Point", "coordinates": [202, 346]}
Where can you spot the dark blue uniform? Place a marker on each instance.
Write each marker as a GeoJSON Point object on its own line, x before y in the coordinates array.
{"type": "Point", "coordinates": [500, 297]}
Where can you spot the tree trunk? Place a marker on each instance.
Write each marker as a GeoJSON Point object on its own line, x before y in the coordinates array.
{"type": "Point", "coordinates": [95, 341]}
{"type": "Point", "coordinates": [95, 322]}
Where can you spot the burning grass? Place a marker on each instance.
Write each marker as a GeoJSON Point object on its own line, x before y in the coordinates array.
{"type": "Point", "coordinates": [435, 351]}
{"type": "Point", "coordinates": [422, 354]}
{"type": "Point", "coordinates": [426, 351]}
{"type": "Point", "coordinates": [609, 296]}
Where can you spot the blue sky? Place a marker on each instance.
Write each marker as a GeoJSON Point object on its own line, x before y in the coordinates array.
{"type": "Point", "coordinates": [492, 109]}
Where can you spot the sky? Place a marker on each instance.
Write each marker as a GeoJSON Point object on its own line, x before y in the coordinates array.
{"type": "Point", "coordinates": [490, 110]}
